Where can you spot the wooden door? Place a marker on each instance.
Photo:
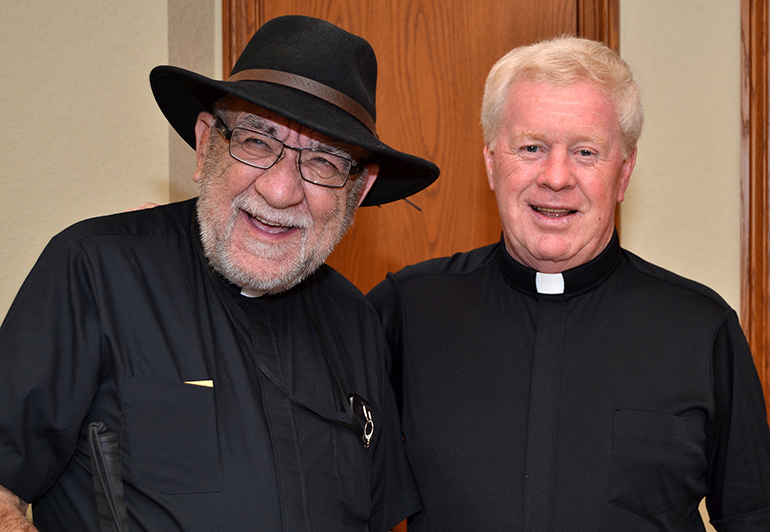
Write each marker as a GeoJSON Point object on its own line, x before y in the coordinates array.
{"type": "Point", "coordinates": [433, 58]}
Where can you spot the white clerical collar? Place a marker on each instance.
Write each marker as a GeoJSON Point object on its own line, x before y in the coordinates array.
{"type": "Point", "coordinates": [549, 283]}
{"type": "Point", "coordinates": [250, 292]}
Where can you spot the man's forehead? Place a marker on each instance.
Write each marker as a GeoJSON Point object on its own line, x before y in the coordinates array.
{"type": "Point", "coordinates": [569, 96]}
{"type": "Point", "coordinates": [533, 108]}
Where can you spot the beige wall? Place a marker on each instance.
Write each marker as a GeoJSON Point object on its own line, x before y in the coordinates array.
{"type": "Point", "coordinates": [683, 206]}
{"type": "Point", "coordinates": [81, 133]}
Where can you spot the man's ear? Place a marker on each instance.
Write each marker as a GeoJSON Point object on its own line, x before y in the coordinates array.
{"type": "Point", "coordinates": [371, 173]}
{"type": "Point", "coordinates": [202, 134]}
{"type": "Point", "coordinates": [489, 165]}
{"type": "Point", "coordinates": [625, 174]}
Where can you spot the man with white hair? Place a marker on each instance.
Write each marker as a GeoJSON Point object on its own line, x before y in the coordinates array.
{"type": "Point", "coordinates": [196, 366]}
{"type": "Point", "coordinates": [555, 381]}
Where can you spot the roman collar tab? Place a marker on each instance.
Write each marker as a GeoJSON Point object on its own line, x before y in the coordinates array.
{"type": "Point", "coordinates": [569, 283]}
{"type": "Point", "coordinates": [549, 283]}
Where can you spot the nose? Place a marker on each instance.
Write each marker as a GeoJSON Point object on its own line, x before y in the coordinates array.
{"type": "Point", "coordinates": [281, 184]}
{"type": "Point", "coordinates": [557, 171]}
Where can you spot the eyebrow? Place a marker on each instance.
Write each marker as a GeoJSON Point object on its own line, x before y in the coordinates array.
{"type": "Point", "coordinates": [256, 123]}
{"type": "Point", "coordinates": [526, 135]}
{"type": "Point", "coordinates": [261, 125]}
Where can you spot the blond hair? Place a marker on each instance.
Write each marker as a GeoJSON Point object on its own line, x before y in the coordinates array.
{"type": "Point", "coordinates": [562, 61]}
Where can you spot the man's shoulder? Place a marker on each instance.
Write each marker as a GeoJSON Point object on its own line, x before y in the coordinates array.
{"type": "Point", "coordinates": [458, 264]}
{"type": "Point", "coordinates": [155, 239]}
{"type": "Point", "coordinates": [669, 282]}
{"type": "Point", "coordinates": [168, 219]}
{"type": "Point", "coordinates": [423, 279]}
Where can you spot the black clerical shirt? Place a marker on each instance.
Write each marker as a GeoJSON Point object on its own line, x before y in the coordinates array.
{"type": "Point", "coordinates": [122, 321]}
{"type": "Point", "coordinates": [614, 397]}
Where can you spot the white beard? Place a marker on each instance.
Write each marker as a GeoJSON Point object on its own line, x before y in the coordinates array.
{"type": "Point", "coordinates": [306, 255]}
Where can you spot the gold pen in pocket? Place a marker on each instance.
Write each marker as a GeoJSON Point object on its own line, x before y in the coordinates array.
{"type": "Point", "coordinates": [207, 384]}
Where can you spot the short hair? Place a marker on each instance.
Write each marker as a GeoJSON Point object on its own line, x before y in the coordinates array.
{"type": "Point", "coordinates": [560, 62]}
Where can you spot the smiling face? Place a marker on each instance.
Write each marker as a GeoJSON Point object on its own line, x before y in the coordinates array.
{"type": "Point", "coordinates": [558, 170]}
{"type": "Point", "coordinates": [266, 230]}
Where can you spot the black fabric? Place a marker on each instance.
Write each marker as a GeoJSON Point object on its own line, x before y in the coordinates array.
{"type": "Point", "coordinates": [291, 480]}
{"type": "Point", "coordinates": [108, 478]}
{"type": "Point", "coordinates": [116, 317]}
{"type": "Point", "coordinates": [617, 405]}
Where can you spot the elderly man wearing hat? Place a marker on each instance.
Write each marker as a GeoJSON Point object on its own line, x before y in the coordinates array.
{"type": "Point", "coordinates": [196, 366]}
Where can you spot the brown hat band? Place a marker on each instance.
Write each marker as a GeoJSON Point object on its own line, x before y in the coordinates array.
{"type": "Point", "coordinates": [319, 90]}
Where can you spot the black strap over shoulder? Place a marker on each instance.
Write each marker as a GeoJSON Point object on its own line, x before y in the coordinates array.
{"type": "Point", "coordinates": [108, 481]}
{"type": "Point", "coordinates": [357, 410]}
{"type": "Point", "coordinates": [359, 422]}
{"type": "Point", "coordinates": [278, 399]}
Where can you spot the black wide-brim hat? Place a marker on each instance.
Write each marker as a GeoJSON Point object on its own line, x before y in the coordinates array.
{"type": "Point", "coordinates": [313, 73]}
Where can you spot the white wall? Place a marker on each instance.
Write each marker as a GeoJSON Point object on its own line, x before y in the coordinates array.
{"type": "Point", "coordinates": [82, 135]}
{"type": "Point", "coordinates": [683, 206]}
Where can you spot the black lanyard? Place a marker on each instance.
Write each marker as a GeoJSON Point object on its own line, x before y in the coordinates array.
{"type": "Point", "coordinates": [108, 481]}
{"type": "Point", "coordinates": [362, 424]}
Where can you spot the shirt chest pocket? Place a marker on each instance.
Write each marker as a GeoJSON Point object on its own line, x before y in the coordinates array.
{"type": "Point", "coordinates": [353, 469]}
{"type": "Point", "coordinates": [657, 461]}
{"type": "Point", "coordinates": [169, 439]}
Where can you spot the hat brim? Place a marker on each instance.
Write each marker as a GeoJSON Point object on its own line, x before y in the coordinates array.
{"type": "Point", "coordinates": [182, 95]}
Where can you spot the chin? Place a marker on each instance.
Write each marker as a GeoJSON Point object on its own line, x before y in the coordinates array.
{"type": "Point", "coordinates": [554, 249]}
{"type": "Point", "coordinates": [274, 277]}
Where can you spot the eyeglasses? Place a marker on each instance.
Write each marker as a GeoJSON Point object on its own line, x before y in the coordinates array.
{"type": "Point", "coordinates": [263, 151]}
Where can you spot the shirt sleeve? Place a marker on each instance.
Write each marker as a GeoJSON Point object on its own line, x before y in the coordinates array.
{"type": "Point", "coordinates": [394, 496]}
{"type": "Point", "coordinates": [738, 438]}
{"type": "Point", "coordinates": [49, 364]}
{"type": "Point", "coordinates": [386, 299]}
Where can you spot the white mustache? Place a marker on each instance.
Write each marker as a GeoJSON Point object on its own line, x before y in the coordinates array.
{"type": "Point", "coordinates": [256, 207]}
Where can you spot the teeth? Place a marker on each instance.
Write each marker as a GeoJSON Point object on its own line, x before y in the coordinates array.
{"type": "Point", "coordinates": [265, 222]}
{"type": "Point", "coordinates": [553, 212]}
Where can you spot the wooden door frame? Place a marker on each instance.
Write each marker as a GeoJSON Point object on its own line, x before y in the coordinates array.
{"type": "Point", "coordinates": [755, 218]}
{"type": "Point", "coordinates": [600, 20]}
{"type": "Point", "coordinates": [240, 20]}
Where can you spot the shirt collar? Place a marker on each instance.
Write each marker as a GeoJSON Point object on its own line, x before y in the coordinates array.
{"type": "Point", "coordinates": [575, 281]}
